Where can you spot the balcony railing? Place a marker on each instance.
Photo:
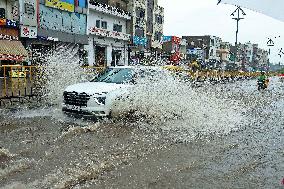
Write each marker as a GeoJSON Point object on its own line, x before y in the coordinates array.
{"type": "Point", "coordinates": [109, 9]}
{"type": "Point", "coordinates": [111, 34]}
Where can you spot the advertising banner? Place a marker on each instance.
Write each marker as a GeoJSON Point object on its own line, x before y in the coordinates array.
{"type": "Point", "coordinates": [167, 39]}
{"type": "Point", "coordinates": [28, 12]}
{"type": "Point", "coordinates": [9, 34]}
{"type": "Point", "coordinates": [11, 57]}
{"type": "Point", "coordinates": [11, 23]}
{"type": "Point", "coordinates": [2, 22]}
{"type": "Point", "coordinates": [112, 34]}
{"type": "Point", "coordinates": [28, 31]}
{"type": "Point", "coordinates": [67, 5]}
{"type": "Point", "coordinates": [139, 40]}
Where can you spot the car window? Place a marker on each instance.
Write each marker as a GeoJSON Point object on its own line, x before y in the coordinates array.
{"type": "Point", "coordinates": [118, 76]}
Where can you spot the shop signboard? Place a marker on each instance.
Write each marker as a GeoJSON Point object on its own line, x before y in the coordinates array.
{"type": "Point", "coordinates": [28, 31]}
{"type": "Point", "coordinates": [11, 57]}
{"type": "Point", "coordinates": [8, 37]}
{"type": "Point", "coordinates": [176, 40]}
{"type": "Point", "coordinates": [111, 34]}
{"type": "Point", "coordinates": [139, 40]}
{"type": "Point", "coordinates": [9, 34]}
{"type": "Point", "coordinates": [167, 39]}
{"type": "Point", "coordinates": [2, 22]}
{"type": "Point", "coordinates": [67, 5]}
{"type": "Point", "coordinates": [11, 23]}
{"type": "Point", "coordinates": [28, 12]}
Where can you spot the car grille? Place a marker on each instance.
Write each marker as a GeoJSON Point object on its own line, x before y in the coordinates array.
{"type": "Point", "coordinates": [76, 99]}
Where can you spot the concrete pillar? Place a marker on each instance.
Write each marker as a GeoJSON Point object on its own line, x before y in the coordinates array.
{"type": "Point", "coordinates": [109, 55]}
{"type": "Point", "coordinates": [91, 52]}
{"type": "Point", "coordinates": [125, 52]}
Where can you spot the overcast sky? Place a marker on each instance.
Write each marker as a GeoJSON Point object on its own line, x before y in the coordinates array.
{"type": "Point", "coordinates": [205, 17]}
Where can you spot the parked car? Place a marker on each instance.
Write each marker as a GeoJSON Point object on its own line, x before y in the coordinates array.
{"type": "Point", "coordinates": [97, 97]}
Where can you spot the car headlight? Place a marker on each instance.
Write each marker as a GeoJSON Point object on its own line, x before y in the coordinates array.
{"type": "Point", "coordinates": [100, 100]}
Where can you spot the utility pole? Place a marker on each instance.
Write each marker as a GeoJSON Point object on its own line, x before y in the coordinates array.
{"type": "Point", "coordinates": [238, 18]}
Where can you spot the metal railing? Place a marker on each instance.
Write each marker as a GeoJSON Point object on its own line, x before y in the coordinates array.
{"type": "Point", "coordinates": [22, 83]}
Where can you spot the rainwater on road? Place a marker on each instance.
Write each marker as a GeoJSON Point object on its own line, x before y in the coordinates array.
{"type": "Point", "coordinates": [42, 148]}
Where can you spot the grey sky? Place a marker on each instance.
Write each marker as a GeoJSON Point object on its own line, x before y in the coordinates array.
{"type": "Point", "coordinates": [204, 17]}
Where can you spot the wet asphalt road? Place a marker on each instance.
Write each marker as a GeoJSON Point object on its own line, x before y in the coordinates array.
{"type": "Point", "coordinates": [40, 148]}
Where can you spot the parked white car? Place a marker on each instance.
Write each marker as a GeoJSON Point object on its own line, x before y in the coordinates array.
{"type": "Point", "coordinates": [97, 97]}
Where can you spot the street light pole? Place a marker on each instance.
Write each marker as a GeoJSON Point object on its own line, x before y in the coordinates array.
{"type": "Point", "coordinates": [238, 11]}
{"type": "Point", "coordinates": [238, 19]}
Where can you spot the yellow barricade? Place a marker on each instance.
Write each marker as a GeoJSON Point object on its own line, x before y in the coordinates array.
{"type": "Point", "coordinates": [18, 81]}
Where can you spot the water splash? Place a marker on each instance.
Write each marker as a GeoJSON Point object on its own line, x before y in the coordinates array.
{"type": "Point", "coordinates": [5, 153]}
{"type": "Point", "coordinates": [60, 69]}
{"type": "Point", "coordinates": [15, 167]}
{"type": "Point", "coordinates": [173, 105]}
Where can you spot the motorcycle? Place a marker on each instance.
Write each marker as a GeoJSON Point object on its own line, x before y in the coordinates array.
{"type": "Point", "coordinates": [262, 84]}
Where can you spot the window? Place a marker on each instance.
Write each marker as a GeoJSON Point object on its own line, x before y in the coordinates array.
{"type": "Point", "coordinates": [211, 52]}
{"type": "Point", "coordinates": [212, 42]}
{"type": "Point", "coordinates": [140, 12]}
{"type": "Point", "coordinates": [158, 36]}
{"type": "Point", "coordinates": [159, 19]}
{"type": "Point", "coordinates": [139, 31]}
{"type": "Point", "coordinates": [98, 23]}
{"type": "Point", "coordinates": [118, 76]}
{"type": "Point", "coordinates": [101, 24]}
{"type": "Point", "coordinates": [139, 19]}
{"type": "Point", "coordinates": [104, 25]}
{"type": "Point", "coordinates": [117, 27]}
{"type": "Point", "coordinates": [2, 13]}
{"type": "Point", "coordinates": [29, 9]}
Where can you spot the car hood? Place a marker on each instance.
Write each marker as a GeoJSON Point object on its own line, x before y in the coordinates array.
{"type": "Point", "coordinates": [93, 88]}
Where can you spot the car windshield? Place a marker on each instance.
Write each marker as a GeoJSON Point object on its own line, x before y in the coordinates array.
{"type": "Point", "coordinates": [124, 75]}
{"type": "Point", "coordinates": [116, 75]}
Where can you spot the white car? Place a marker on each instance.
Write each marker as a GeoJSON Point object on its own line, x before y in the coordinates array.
{"type": "Point", "coordinates": [96, 98]}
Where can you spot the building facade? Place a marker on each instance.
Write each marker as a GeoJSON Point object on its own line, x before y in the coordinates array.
{"type": "Point", "coordinates": [146, 26]}
{"type": "Point", "coordinates": [174, 48]}
{"type": "Point", "coordinates": [12, 50]}
{"type": "Point", "coordinates": [107, 30]}
{"type": "Point", "coordinates": [224, 54]}
{"type": "Point", "coordinates": [207, 46]}
{"type": "Point", "coordinates": [58, 23]}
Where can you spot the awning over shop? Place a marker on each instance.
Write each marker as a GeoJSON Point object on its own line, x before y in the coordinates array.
{"type": "Point", "coordinates": [12, 50]}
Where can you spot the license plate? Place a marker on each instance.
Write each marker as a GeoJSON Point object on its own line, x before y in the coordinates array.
{"type": "Point", "coordinates": [73, 107]}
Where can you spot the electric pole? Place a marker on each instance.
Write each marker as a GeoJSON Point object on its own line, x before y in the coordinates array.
{"type": "Point", "coordinates": [237, 16]}
{"type": "Point", "coordinates": [238, 19]}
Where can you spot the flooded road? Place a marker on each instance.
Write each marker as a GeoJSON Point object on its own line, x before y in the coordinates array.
{"type": "Point", "coordinates": [41, 148]}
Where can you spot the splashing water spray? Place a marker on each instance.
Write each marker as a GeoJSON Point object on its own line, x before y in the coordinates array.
{"type": "Point", "coordinates": [60, 68]}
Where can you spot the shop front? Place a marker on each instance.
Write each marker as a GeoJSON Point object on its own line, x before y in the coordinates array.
{"type": "Point", "coordinates": [108, 37]}
{"type": "Point", "coordinates": [11, 49]}
{"type": "Point", "coordinates": [108, 49]}
{"type": "Point", "coordinates": [53, 24]}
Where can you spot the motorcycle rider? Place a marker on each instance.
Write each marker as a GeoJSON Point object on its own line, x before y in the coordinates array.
{"type": "Point", "coordinates": [262, 81]}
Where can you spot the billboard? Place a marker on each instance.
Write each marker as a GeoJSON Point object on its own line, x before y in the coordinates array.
{"type": "Point", "coordinates": [139, 40]}
{"type": "Point", "coordinates": [28, 31]}
{"type": "Point", "coordinates": [55, 19]}
{"type": "Point", "coordinates": [28, 12]}
{"type": "Point", "coordinates": [67, 5]}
